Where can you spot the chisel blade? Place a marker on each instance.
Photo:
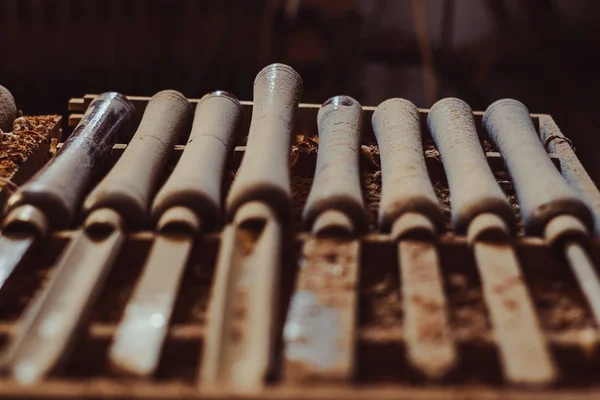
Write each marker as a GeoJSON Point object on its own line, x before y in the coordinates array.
{"type": "Point", "coordinates": [585, 274]}
{"type": "Point", "coordinates": [430, 346]}
{"type": "Point", "coordinates": [239, 345]}
{"type": "Point", "coordinates": [524, 352]}
{"type": "Point", "coordinates": [320, 330]}
{"type": "Point", "coordinates": [50, 324]}
{"type": "Point", "coordinates": [138, 341]}
{"type": "Point", "coordinates": [13, 248]}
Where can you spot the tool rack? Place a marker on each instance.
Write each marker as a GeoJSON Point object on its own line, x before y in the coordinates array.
{"type": "Point", "coordinates": [382, 368]}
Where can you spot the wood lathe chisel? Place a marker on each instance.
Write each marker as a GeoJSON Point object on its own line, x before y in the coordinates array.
{"type": "Point", "coordinates": [50, 199]}
{"type": "Point", "coordinates": [549, 206]}
{"type": "Point", "coordinates": [188, 205]}
{"type": "Point", "coordinates": [118, 203]}
{"type": "Point", "coordinates": [410, 210]}
{"type": "Point", "coordinates": [241, 333]}
{"type": "Point", "coordinates": [320, 331]}
{"type": "Point", "coordinates": [482, 211]}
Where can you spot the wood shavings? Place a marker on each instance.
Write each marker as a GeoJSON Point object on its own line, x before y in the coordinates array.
{"type": "Point", "coordinates": [28, 134]}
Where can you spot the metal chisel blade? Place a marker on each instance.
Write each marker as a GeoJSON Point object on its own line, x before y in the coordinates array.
{"type": "Point", "coordinates": [138, 341]}
{"type": "Point", "coordinates": [13, 247]}
{"type": "Point", "coordinates": [585, 274]}
{"type": "Point", "coordinates": [319, 333]}
{"type": "Point", "coordinates": [430, 346]}
{"type": "Point", "coordinates": [51, 322]}
{"type": "Point", "coordinates": [523, 349]}
{"type": "Point", "coordinates": [238, 348]}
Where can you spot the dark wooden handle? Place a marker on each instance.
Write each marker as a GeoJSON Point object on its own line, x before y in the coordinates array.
{"type": "Point", "coordinates": [196, 181]}
{"type": "Point", "coordinates": [57, 189]}
{"type": "Point", "coordinates": [406, 186]}
{"type": "Point", "coordinates": [473, 188]}
{"type": "Point", "coordinates": [8, 109]}
{"type": "Point", "coordinates": [264, 171]}
{"type": "Point", "coordinates": [130, 184]}
{"type": "Point", "coordinates": [337, 177]}
{"type": "Point", "coordinates": [543, 193]}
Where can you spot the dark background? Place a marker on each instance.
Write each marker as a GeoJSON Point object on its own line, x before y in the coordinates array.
{"type": "Point", "coordinates": [541, 52]}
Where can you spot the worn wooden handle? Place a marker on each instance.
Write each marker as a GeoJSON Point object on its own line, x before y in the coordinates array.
{"type": "Point", "coordinates": [264, 171]}
{"type": "Point", "coordinates": [130, 184]}
{"type": "Point", "coordinates": [543, 193]}
{"type": "Point", "coordinates": [473, 188]}
{"type": "Point", "coordinates": [57, 189]}
{"type": "Point", "coordinates": [406, 187]}
{"type": "Point", "coordinates": [8, 109]}
{"type": "Point", "coordinates": [196, 181]}
{"type": "Point", "coordinates": [337, 178]}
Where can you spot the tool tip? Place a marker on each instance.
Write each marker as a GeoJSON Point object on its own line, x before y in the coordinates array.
{"type": "Point", "coordinates": [27, 372]}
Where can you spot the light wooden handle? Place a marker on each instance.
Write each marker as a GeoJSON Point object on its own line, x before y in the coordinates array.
{"type": "Point", "coordinates": [473, 188]}
{"type": "Point", "coordinates": [406, 187]}
{"type": "Point", "coordinates": [130, 184]}
{"type": "Point", "coordinates": [196, 181]}
{"type": "Point", "coordinates": [57, 189]}
{"type": "Point", "coordinates": [337, 177]}
{"type": "Point", "coordinates": [264, 172]}
{"type": "Point", "coordinates": [543, 193]}
{"type": "Point", "coordinates": [8, 109]}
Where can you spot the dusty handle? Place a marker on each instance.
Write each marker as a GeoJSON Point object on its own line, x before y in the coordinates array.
{"type": "Point", "coordinates": [58, 188]}
{"type": "Point", "coordinates": [196, 181]}
{"type": "Point", "coordinates": [129, 185]}
{"type": "Point", "coordinates": [406, 186]}
{"type": "Point", "coordinates": [473, 188]}
{"type": "Point", "coordinates": [8, 109]}
{"type": "Point", "coordinates": [337, 179]}
{"type": "Point", "coordinates": [264, 171]}
{"type": "Point", "coordinates": [543, 193]}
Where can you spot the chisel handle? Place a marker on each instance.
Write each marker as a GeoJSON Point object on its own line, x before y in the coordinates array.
{"type": "Point", "coordinates": [473, 188]}
{"type": "Point", "coordinates": [336, 185]}
{"type": "Point", "coordinates": [8, 109]}
{"type": "Point", "coordinates": [406, 187]}
{"type": "Point", "coordinates": [58, 188]}
{"type": "Point", "coordinates": [196, 181]}
{"type": "Point", "coordinates": [264, 172]}
{"type": "Point", "coordinates": [542, 191]}
{"type": "Point", "coordinates": [130, 184]}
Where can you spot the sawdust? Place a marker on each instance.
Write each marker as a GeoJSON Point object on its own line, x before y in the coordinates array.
{"type": "Point", "coordinates": [442, 192]}
{"type": "Point", "coordinates": [560, 305]}
{"type": "Point", "coordinates": [28, 134]}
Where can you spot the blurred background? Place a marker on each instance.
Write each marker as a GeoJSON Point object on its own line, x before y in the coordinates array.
{"type": "Point", "coordinates": [542, 52]}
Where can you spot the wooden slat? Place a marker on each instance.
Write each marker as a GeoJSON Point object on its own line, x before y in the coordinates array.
{"type": "Point", "coordinates": [305, 121]}
{"type": "Point", "coordinates": [114, 388]}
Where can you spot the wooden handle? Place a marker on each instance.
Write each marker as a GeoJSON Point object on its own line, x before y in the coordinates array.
{"type": "Point", "coordinates": [543, 193]}
{"type": "Point", "coordinates": [473, 188]}
{"type": "Point", "coordinates": [406, 187]}
{"type": "Point", "coordinates": [8, 109]}
{"type": "Point", "coordinates": [337, 178]}
{"type": "Point", "coordinates": [264, 171]}
{"type": "Point", "coordinates": [196, 181]}
{"type": "Point", "coordinates": [58, 188]}
{"type": "Point", "coordinates": [129, 185]}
